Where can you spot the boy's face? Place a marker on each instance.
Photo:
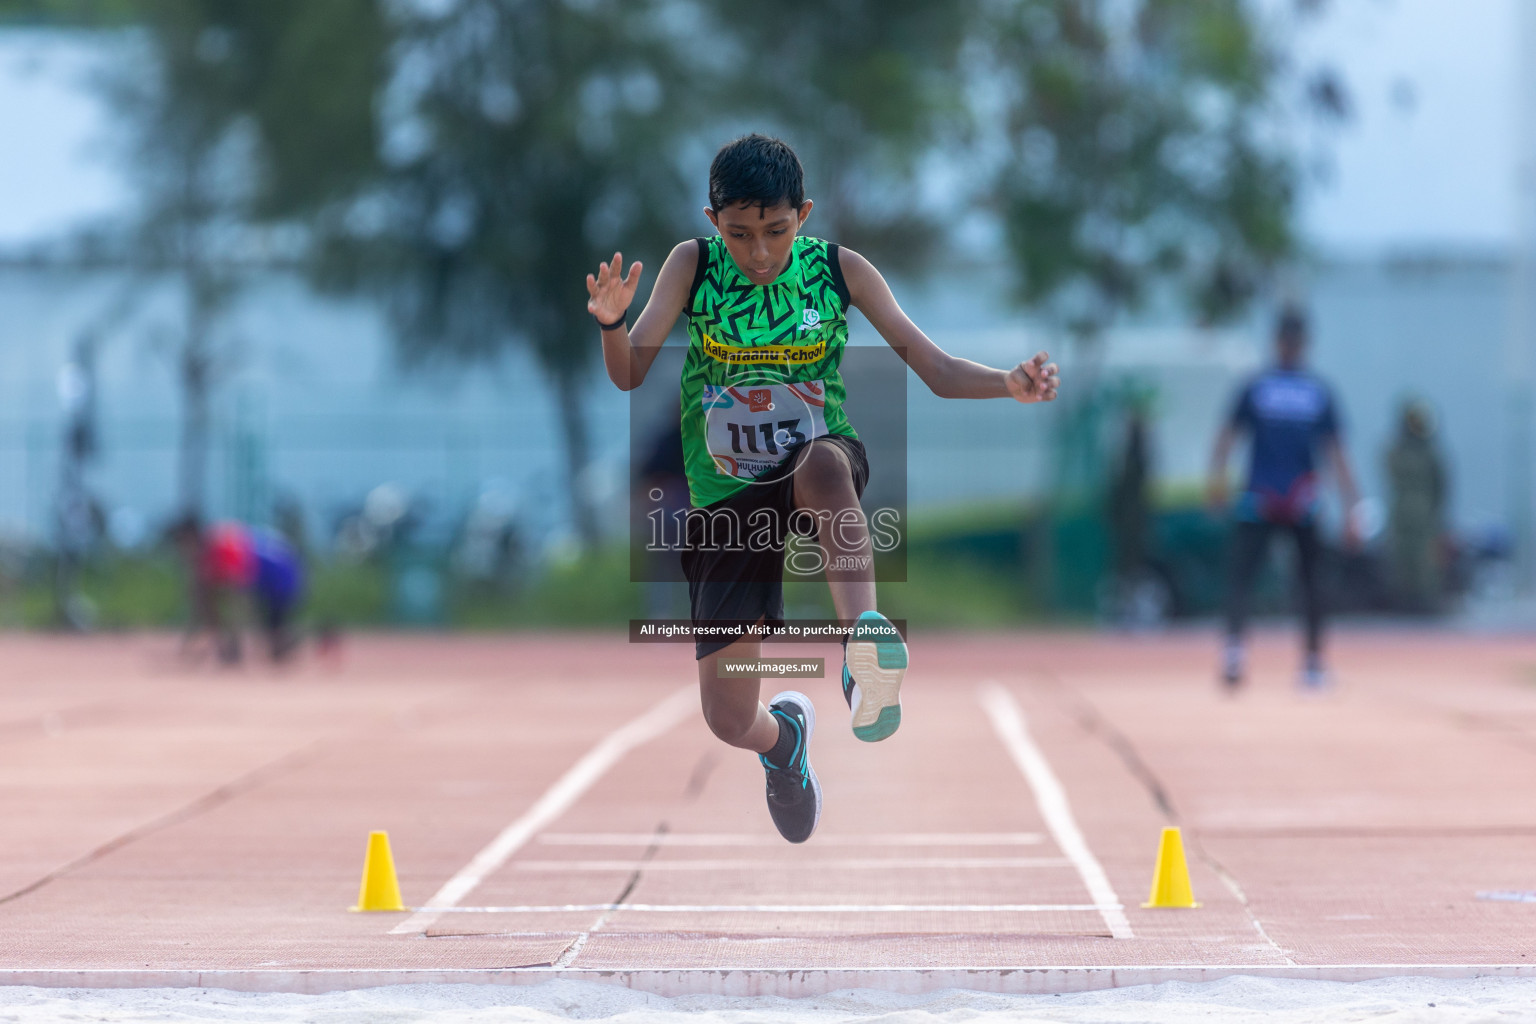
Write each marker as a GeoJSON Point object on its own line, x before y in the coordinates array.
{"type": "Point", "coordinates": [759, 239]}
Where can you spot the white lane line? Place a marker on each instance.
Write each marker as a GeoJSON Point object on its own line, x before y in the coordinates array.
{"type": "Point", "coordinates": [1008, 720]}
{"type": "Point", "coordinates": [830, 863]}
{"type": "Point", "coordinates": [783, 908]}
{"type": "Point", "coordinates": [648, 839]}
{"type": "Point", "coordinates": [555, 802]}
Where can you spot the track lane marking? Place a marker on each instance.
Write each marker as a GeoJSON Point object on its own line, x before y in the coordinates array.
{"type": "Point", "coordinates": [1008, 719]}
{"type": "Point", "coordinates": [646, 839]}
{"type": "Point", "coordinates": [782, 908]}
{"type": "Point", "coordinates": [555, 801]}
{"type": "Point", "coordinates": [833, 863]}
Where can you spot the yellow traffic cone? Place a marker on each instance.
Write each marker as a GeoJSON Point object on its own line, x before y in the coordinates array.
{"type": "Point", "coordinates": [1170, 879]}
{"type": "Point", "coordinates": [380, 889]}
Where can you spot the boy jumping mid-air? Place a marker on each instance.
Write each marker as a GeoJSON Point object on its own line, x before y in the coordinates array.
{"type": "Point", "coordinates": [768, 448]}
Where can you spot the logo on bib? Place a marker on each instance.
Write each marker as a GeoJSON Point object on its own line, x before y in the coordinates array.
{"type": "Point", "coordinates": [812, 318]}
{"type": "Point", "coordinates": [759, 400]}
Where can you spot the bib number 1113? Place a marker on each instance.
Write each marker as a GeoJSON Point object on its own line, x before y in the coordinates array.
{"type": "Point", "coordinates": [785, 436]}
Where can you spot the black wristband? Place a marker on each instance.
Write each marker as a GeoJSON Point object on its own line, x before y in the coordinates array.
{"type": "Point", "coordinates": [620, 322]}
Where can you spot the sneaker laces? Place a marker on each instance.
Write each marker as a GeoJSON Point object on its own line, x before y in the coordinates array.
{"type": "Point", "coordinates": [785, 780]}
{"type": "Point", "coordinates": [786, 785]}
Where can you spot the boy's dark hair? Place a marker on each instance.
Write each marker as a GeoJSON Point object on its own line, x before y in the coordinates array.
{"type": "Point", "coordinates": [756, 169]}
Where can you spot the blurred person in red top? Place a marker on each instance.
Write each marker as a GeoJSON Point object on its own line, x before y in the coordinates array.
{"type": "Point", "coordinates": [230, 559]}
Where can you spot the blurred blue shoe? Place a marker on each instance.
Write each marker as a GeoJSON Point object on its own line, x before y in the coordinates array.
{"type": "Point", "coordinates": [1232, 665]}
{"type": "Point", "coordinates": [1314, 677]}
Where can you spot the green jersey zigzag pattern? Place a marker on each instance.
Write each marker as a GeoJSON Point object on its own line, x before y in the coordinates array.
{"type": "Point", "coordinates": [801, 321]}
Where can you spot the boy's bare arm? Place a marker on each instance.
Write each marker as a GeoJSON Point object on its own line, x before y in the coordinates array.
{"type": "Point", "coordinates": [629, 352]}
{"type": "Point", "coordinates": [1033, 380]}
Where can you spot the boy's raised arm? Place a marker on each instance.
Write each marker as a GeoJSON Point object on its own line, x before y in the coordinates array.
{"type": "Point", "coordinates": [629, 353]}
{"type": "Point", "coordinates": [1033, 380]}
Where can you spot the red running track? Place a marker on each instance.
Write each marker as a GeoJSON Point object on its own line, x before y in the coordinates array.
{"type": "Point", "coordinates": [166, 826]}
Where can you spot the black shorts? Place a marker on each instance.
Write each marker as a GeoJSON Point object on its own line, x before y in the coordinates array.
{"type": "Point", "coordinates": [733, 554]}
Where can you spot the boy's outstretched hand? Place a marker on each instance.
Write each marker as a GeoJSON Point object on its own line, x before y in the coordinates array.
{"type": "Point", "coordinates": [1034, 380]}
{"type": "Point", "coordinates": [612, 294]}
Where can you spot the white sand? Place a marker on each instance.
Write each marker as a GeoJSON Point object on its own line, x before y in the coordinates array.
{"type": "Point", "coordinates": [1238, 1000]}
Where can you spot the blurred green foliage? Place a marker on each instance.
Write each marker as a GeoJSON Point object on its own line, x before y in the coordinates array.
{"type": "Point", "coordinates": [967, 567]}
{"type": "Point", "coordinates": [121, 591]}
{"type": "Point", "coordinates": [49, 13]}
{"type": "Point", "coordinates": [866, 92]}
{"type": "Point", "coordinates": [951, 582]}
{"type": "Point", "coordinates": [1139, 153]}
{"type": "Point", "coordinates": [348, 593]}
{"type": "Point", "coordinates": [592, 590]}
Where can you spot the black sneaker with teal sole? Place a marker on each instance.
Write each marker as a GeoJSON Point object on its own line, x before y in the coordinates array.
{"type": "Point", "coordinates": [794, 794]}
{"type": "Point", "coordinates": [874, 662]}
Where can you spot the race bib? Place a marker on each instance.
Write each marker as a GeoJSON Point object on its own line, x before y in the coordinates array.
{"type": "Point", "coordinates": [751, 428]}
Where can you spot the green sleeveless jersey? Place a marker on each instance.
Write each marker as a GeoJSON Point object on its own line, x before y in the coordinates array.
{"type": "Point", "coordinates": [761, 374]}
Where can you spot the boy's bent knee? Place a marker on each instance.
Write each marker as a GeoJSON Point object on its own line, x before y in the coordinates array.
{"type": "Point", "coordinates": [729, 724]}
{"type": "Point", "coordinates": [823, 467]}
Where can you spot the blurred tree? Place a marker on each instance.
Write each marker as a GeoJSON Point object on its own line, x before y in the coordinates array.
{"type": "Point", "coordinates": [1139, 146]}
{"type": "Point", "coordinates": [527, 139]}
{"type": "Point", "coordinates": [469, 161]}
{"type": "Point", "coordinates": [868, 92]}
{"type": "Point", "coordinates": [190, 165]}
{"type": "Point", "coordinates": [74, 13]}
{"type": "Point", "coordinates": [231, 111]}
{"type": "Point", "coordinates": [522, 141]}
{"type": "Point", "coordinates": [1135, 149]}
{"type": "Point", "coordinates": [243, 107]}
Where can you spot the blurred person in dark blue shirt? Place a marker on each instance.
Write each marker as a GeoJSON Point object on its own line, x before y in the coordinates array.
{"type": "Point", "coordinates": [1292, 420]}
